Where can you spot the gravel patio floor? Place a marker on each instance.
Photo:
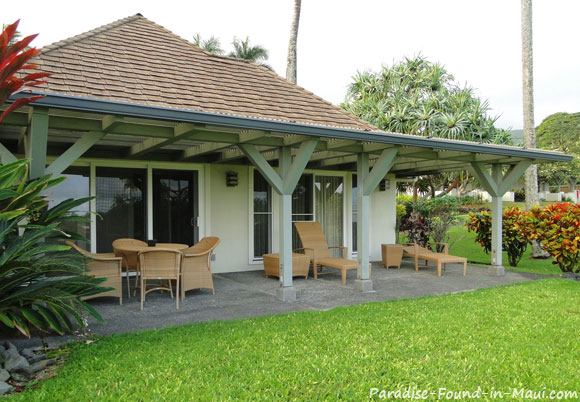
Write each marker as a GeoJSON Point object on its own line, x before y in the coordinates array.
{"type": "Point", "coordinates": [251, 294]}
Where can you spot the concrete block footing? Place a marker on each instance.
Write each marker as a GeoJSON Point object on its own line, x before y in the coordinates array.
{"type": "Point", "coordinates": [363, 285]}
{"type": "Point", "coordinates": [496, 270]}
{"type": "Point", "coordinates": [286, 293]}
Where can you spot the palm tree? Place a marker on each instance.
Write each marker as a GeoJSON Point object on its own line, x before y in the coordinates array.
{"type": "Point", "coordinates": [291, 62]}
{"type": "Point", "coordinates": [531, 178]}
{"type": "Point", "coordinates": [211, 45]}
{"type": "Point", "coordinates": [244, 50]}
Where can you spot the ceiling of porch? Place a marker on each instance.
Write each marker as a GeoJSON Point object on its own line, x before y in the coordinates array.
{"type": "Point", "coordinates": [138, 138]}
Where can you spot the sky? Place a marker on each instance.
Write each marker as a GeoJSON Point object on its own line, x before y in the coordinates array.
{"type": "Point", "coordinates": [479, 42]}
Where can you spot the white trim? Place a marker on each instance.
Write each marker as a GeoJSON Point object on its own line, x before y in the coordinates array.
{"type": "Point", "coordinates": [149, 203]}
{"type": "Point", "coordinates": [253, 260]}
{"type": "Point", "coordinates": [93, 207]}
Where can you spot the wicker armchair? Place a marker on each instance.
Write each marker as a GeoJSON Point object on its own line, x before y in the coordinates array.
{"type": "Point", "coordinates": [162, 264]}
{"type": "Point", "coordinates": [196, 266]}
{"type": "Point", "coordinates": [103, 266]}
{"type": "Point", "coordinates": [130, 260]}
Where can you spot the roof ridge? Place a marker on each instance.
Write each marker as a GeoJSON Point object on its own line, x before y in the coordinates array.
{"type": "Point", "coordinates": [276, 75]}
{"type": "Point", "coordinates": [275, 85]}
{"type": "Point", "coordinates": [87, 34]}
{"type": "Point", "coordinates": [302, 89]}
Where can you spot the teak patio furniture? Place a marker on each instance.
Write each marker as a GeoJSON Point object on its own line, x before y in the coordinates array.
{"type": "Point", "coordinates": [104, 265]}
{"type": "Point", "coordinates": [315, 245]}
{"type": "Point", "coordinates": [417, 252]}
{"type": "Point", "coordinates": [160, 263]}
{"type": "Point", "coordinates": [392, 254]}
{"type": "Point", "coordinates": [196, 266]}
{"type": "Point", "coordinates": [300, 265]}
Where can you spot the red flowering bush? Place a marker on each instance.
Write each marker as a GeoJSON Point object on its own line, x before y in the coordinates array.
{"type": "Point", "coordinates": [514, 241]}
{"type": "Point", "coordinates": [15, 70]}
{"type": "Point", "coordinates": [557, 228]}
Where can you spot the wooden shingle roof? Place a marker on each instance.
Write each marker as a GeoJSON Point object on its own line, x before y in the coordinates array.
{"type": "Point", "coordinates": [137, 61]}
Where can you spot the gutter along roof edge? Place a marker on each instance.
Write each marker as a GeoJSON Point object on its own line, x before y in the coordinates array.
{"type": "Point", "coordinates": [191, 116]}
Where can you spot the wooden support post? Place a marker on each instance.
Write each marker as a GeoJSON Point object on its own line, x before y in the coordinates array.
{"type": "Point", "coordinates": [37, 142]}
{"type": "Point", "coordinates": [363, 281]}
{"type": "Point", "coordinates": [497, 184]}
{"type": "Point", "coordinates": [283, 182]}
{"type": "Point", "coordinates": [286, 291]}
{"type": "Point", "coordinates": [367, 182]}
{"type": "Point", "coordinates": [496, 268]}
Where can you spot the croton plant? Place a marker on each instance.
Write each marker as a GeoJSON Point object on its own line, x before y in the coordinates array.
{"type": "Point", "coordinates": [514, 241]}
{"type": "Point", "coordinates": [557, 228]}
{"type": "Point", "coordinates": [16, 72]}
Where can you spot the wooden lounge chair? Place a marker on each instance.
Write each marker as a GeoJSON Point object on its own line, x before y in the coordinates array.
{"type": "Point", "coordinates": [315, 245]}
{"type": "Point", "coordinates": [196, 266]}
{"type": "Point", "coordinates": [162, 264]}
{"type": "Point", "coordinates": [417, 252]}
{"type": "Point", "coordinates": [130, 260]}
{"type": "Point", "coordinates": [103, 265]}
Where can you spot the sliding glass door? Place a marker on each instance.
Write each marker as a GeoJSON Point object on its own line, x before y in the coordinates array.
{"type": "Point", "coordinates": [121, 205]}
{"type": "Point", "coordinates": [175, 206]}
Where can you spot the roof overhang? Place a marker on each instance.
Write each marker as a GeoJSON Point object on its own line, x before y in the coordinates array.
{"type": "Point", "coordinates": [337, 150]}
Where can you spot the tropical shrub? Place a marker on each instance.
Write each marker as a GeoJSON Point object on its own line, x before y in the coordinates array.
{"type": "Point", "coordinates": [514, 240]}
{"type": "Point", "coordinates": [418, 229]}
{"type": "Point", "coordinates": [41, 280]}
{"type": "Point", "coordinates": [401, 213]}
{"type": "Point", "coordinates": [469, 199]}
{"type": "Point", "coordinates": [557, 228]}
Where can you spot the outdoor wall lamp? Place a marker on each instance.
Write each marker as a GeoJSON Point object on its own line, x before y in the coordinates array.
{"type": "Point", "coordinates": [384, 185]}
{"type": "Point", "coordinates": [232, 179]}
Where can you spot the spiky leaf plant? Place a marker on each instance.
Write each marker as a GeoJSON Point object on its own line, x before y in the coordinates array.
{"type": "Point", "coordinates": [41, 280]}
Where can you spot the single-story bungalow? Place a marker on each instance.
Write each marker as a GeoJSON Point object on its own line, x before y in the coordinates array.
{"type": "Point", "coordinates": [176, 144]}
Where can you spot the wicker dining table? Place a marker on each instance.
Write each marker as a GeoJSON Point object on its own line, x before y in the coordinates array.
{"type": "Point", "coordinates": [131, 252]}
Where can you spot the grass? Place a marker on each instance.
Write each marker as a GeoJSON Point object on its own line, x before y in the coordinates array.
{"type": "Point", "coordinates": [523, 335]}
{"type": "Point", "coordinates": [462, 243]}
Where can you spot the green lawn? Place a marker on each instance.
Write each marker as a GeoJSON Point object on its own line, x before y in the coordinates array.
{"type": "Point", "coordinates": [463, 244]}
{"type": "Point", "coordinates": [523, 336]}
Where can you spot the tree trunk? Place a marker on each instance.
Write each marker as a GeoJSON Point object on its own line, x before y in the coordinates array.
{"type": "Point", "coordinates": [292, 56]}
{"type": "Point", "coordinates": [451, 187]}
{"type": "Point", "coordinates": [528, 97]}
{"type": "Point", "coordinates": [531, 178]}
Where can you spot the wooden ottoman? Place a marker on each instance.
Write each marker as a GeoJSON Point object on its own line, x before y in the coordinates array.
{"type": "Point", "coordinates": [300, 264]}
{"type": "Point", "coordinates": [392, 255]}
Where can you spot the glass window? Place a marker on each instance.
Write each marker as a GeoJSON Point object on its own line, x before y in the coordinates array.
{"type": "Point", "coordinates": [329, 209]}
{"type": "Point", "coordinates": [75, 186]}
{"type": "Point", "coordinates": [354, 212]}
{"type": "Point", "coordinates": [262, 216]}
{"type": "Point", "coordinates": [120, 205]}
{"type": "Point", "coordinates": [302, 205]}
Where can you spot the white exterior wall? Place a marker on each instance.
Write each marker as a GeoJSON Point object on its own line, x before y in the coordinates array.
{"type": "Point", "coordinates": [383, 216]}
{"type": "Point", "coordinates": [225, 211]}
{"type": "Point", "coordinates": [228, 218]}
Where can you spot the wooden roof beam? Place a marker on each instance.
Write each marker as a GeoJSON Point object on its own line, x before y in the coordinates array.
{"type": "Point", "coordinates": [345, 146]}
